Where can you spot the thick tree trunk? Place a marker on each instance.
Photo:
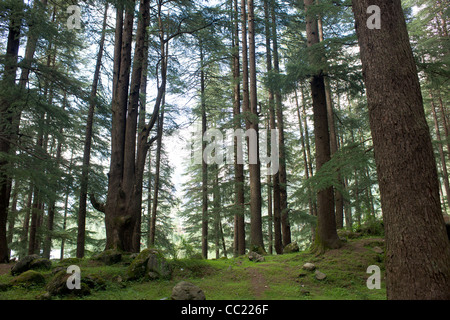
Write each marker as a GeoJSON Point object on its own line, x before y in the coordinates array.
{"type": "Point", "coordinates": [417, 247]}
{"type": "Point", "coordinates": [122, 210]}
{"type": "Point", "coordinates": [326, 235]}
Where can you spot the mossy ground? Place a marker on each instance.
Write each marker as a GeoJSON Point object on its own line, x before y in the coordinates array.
{"type": "Point", "coordinates": [280, 277]}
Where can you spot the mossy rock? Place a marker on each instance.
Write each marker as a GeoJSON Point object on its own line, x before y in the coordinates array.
{"type": "Point", "coordinates": [29, 278]}
{"type": "Point", "coordinates": [23, 264]}
{"type": "Point", "coordinates": [41, 264]}
{"type": "Point", "coordinates": [291, 248]}
{"type": "Point", "coordinates": [149, 263]}
{"type": "Point", "coordinates": [58, 286]}
{"type": "Point", "coordinates": [109, 257]}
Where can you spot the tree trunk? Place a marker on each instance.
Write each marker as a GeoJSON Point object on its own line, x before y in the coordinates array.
{"type": "Point", "coordinates": [285, 225]}
{"type": "Point", "coordinates": [157, 177]}
{"type": "Point", "coordinates": [204, 163]}
{"type": "Point", "coordinates": [123, 204]}
{"type": "Point", "coordinates": [6, 122]}
{"type": "Point", "coordinates": [272, 124]}
{"type": "Point", "coordinates": [441, 151]}
{"type": "Point", "coordinates": [256, 236]}
{"type": "Point", "coordinates": [326, 235]}
{"type": "Point", "coordinates": [417, 247]}
{"type": "Point", "coordinates": [239, 222]}
{"type": "Point", "coordinates": [84, 180]}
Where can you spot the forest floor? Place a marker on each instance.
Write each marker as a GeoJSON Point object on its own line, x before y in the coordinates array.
{"type": "Point", "coordinates": [279, 277]}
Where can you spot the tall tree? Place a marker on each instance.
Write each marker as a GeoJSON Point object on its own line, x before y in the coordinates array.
{"type": "Point", "coordinates": [417, 248]}
{"type": "Point", "coordinates": [256, 236]}
{"type": "Point", "coordinates": [239, 223]}
{"type": "Point", "coordinates": [7, 116]}
{"type": "Point", "coordinates": [87, 143]}
{"type": "Point", "coordinates": [326, 235]}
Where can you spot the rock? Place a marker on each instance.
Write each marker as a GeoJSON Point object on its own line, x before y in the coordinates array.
{"type": "Point", "coordinates": [58, 286]}
{"type": "Point", "coordinates": [23, 264]}
{"type": "Point", "coordinates": [291, 247]}
{"type": "Point", "coordinates": [320, 275]}
{"type": "Point", "coordinates": [309, 266]}
{"type": "Point", "coordinates": [29, 278]}
{"type": "Point", "coordinates": [253, 256]}
{"type": "Point", "coordinates": [304, 292]}
{"type": "Point", "coordinates": [187, 291]}
{"type": "Point", "coordinates": [157, 267]}
{"type": "Point", "coordinates": [149, 263]}
{"type": "Point", "coordinates": [109, 257]}
{"type": "Point", "coordinates": [41, 264]}
{"type": "Point", "coordinates": [378, 250]}
{"type": "Point", "coordinates": [94, 282]}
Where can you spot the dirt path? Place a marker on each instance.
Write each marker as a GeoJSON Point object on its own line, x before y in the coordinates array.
{"type": "Point", "coordinates": [258, 282]}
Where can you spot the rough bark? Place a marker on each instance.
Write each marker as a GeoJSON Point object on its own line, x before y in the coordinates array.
{"type": "Point", "coordinates": [256, 236]}
{"type": "Point", "coordinates": [326, 235]}
{"type": "Point", "coordinates": [417, 248]}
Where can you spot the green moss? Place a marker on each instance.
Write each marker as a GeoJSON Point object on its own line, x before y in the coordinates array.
{"type": "Point", "coordinates": [29, 278]}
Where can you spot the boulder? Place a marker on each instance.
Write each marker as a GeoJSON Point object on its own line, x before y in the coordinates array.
{"type": "Point", "coordinates": [29, 278]}
{"type": "Point", "coordinates": [309, 266]}
{"type": "Point", "coordinates": [58, 286]}
{"type": "Point", "coordinates": [157, 267]}
{"type": "Point", "coordinates": [149, 263]}
{"type": "Point", "coordinates": [23, 264]}
{"type": "Point", "coordinates": [253, 256]}
{"type": "Point", "coordinates": [109, 257]}
{"type": "Point", "coordinates": [187, 291]}
{"type": "Point", "coordinates": [41, 264]}
{"type": "Point", "coordinates": [378, 250]}
{"type": "Point", "coordinates": [320, 275]}
{"type": "Point", "coordinates": [291, 247]}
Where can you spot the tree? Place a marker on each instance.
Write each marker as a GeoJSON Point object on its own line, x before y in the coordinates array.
{"type": "Point", "coordinates": [256, 236]}
{"type": "Point", "coordinates": [326, 235]}
{"type": "Point", "coordinates": [239, 224]}
{"type": "Point", "coordinates": [417, 248]}
{"type": "Point", "coordinates": [87, 143]}
{"type": "Point", "coordinates": [8, 115]}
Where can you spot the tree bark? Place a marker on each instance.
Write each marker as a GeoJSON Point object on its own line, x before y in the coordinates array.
{"type": "Point", "coordinates": [417, 247]}
{"type": "Point", "coordinates": [7, 116]}
{"type": "Point", "coordinates": [285, 225]}
{"type": "Point", "coordinates": [326, 235]}
{"type": "Point", "coordinates": [239, 216]}
{"type": "Point", "coordinates": [84, 180]}
{"type": "Point", "coordinates": [256, 236]}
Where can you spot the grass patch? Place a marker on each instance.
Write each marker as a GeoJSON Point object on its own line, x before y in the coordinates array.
{"type": "Point", "coordinates": [279, 277]}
